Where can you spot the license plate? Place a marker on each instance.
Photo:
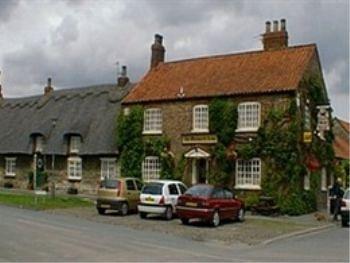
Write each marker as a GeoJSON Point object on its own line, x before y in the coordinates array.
{"type": "Point", "coordinates": [149, 199]}
{"type": "Point", "coordinates": [191, 204]}
{"type": "Point", "coordinates": [105, 206]}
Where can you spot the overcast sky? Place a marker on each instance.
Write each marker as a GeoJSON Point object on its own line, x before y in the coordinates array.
{"type": "Point", "coordinates": [78, 42]}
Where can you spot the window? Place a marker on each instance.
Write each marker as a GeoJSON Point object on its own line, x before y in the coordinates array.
{"type": "Point", "coordinates": [138, 184]}
{"type": "Point", "coordinates": [152, 121]}
{"type": "Point", "coordinates": [218, 193]}
{"type": "Point", "coordinates": [228, 194]}
{"type": "Point", "coordinates": [130, 185]}
{"type": "Point", "coordinates": [182, 188]}
{"type": "Point", "coordinates": [200, 118]}
{"type": "Point", "coordinates": [307, 181]}
{"type": "Point", "coordinates": [126, 111]}
{"type": "Point", "coordinates": [10, 166]}
{"type": "Point", "coordinates": [248, 173]}
{"type": "Point", "coordinates": [39, 141]}
{"type": "Point", "coordinates": [248, 116]}
{"type": "Point", "coordinates": [151, 168]}
{"type": "Point", "coordinates": [75, 142]}
{"type": "Point", "coordinates": [74, 168]}
{"type": "Point", "coordinates": [324, 179]}
{"type": "Point", "coordinates": [173, 189]}
{"type": "Point", "coordinates": [108, 168]}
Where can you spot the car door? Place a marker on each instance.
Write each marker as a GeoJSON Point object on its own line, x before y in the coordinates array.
{"type": "Point", "coordinates": [173, 194]}
{"type": "Point", "coordinates": [232, 205]}
{"type": "Point", "coordinates": [132, 194]}
{"type": "Point", "coordinates": [218, 200]}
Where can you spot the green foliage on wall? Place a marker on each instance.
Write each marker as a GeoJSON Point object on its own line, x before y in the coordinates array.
{"type": "Point", "coordinates": [223, 122]}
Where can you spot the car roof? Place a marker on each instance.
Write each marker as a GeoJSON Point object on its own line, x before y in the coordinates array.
{"type": "Point", "coordinates": [164, 181]}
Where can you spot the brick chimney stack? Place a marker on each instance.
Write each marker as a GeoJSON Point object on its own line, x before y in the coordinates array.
{"type": "Point", "coordinates": [277, 38]}
{"type": "Point", "coordinates": [158, 51]}
{"type": "Point", "coordinates": [123, 78]}
{"type": "Point", "coordinates": [48, 89]}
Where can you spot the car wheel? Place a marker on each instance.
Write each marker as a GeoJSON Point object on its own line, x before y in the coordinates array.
{"type": "Point", "coordinates": [185, 221]}
{"type": "Point", "coordinates": [169, 213]}
{"type": "Point", "coordinates": [216, 219]}
{"type": "Point", "coordinates": [124, 209]}
{"type": "Point", "coordinates": [143, 215]}
{"type": "Point", "coordinates": [101, 211]}
{"type": "Point", "coordinates": [240, 216]}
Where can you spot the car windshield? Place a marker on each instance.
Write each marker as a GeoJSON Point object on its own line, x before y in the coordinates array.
{"type": "Point", "coordinates": [347, 194]}
{"type": "Point", "coordinates": [199, 190]}
{"type": "Point", "coordinates": [153, 189]}
{"type": "Point", "coordinates": [110, 184]}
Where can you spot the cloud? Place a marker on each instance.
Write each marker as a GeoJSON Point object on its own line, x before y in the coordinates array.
{"type": "Point", "coordinates": [7, 7]}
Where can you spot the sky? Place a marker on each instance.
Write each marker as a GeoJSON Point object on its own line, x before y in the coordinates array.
{"type": "Point", "coordinates": [79, 42]}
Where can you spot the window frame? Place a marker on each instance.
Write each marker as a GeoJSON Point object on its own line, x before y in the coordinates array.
{"type": "Point", "coordinates": [108, 161]}
{"type": "Point", "coordinates": [307, 181]}
{"type": "Point", "coordinates": [10, 170]}
{"type": "Point", "coordinates": [148, 175]}
{"type": "Point", "coordinates": [79, 171]}
{"type": "Point", "coordinates": [238, 172]}
{"type": "Point", "coordinates": [245, 128]}
{"type": "Point", "coordinates": [39, 143]}
{"type": "Point", "coordinates": [323, 179]}
{"type": "Point", "coordinates": [74, 143]}
{"type": "Point", "coordinates": [150, 126]}
{"type": "Point", "coordinates": [194, 119]}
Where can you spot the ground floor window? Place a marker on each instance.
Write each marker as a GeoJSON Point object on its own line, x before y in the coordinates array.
{"type": "Point", "coordinates": [324, 179]}
{"type": "Point", "coordinates": [307, 181]}
{"type": "Point", "coordinates": [248, 173]}
{"type": "Point", "coordinates": [108, 168]}
{"type": "Point", "coordinates": [151, 168]}
{"type": "Point", "coordinates": [10, 166]}
{"type": "Point", "coordinates": [74, 168]}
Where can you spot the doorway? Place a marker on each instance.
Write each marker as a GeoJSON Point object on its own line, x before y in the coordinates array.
{"type": "Point", "coordinates": [200, 170]}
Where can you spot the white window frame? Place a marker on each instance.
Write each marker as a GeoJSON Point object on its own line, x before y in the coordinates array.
{"type": "Point", "coordinates": [153, 121]}
{"type": "Point", "coordinates": [248, 174]}
{"type": "Point", "coordinates": [74, 144]}
{"type": "Point", "coordinates": [307, 181]}
{"type": "Point", "coordinates": [10, 166]}
{"type": "Point", "coordinates": [323, 179]}
{"type": "Point", "coordinates": [76, 164]}
{"type": "Point", "coordinates": [200, 118]}
{"type": "Point", "coordinates": [109, 168]}
{"type": "Point", "coordinates": [151, 168]}
{"type": "Point", "coordinates": [246, 119]}
{"type": "Point", "coordinates": [39, 143]}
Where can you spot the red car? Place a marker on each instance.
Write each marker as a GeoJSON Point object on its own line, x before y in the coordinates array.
{"type": "Point", "coordinates": [210, 204]}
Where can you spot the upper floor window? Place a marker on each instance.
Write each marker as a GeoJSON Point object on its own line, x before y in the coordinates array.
{"type": "Point", "coordinates": [248, 173]}
{"type": "Point", "coordinates": [10, 166]}
{"type": "Point", "coordinates": [248, 116]}
{"type": "Point", "coordinates": [108, 168]}
{"type": "Point", "coordinates": [75, 143]}
{"type": "Point", "coordinates": [75, 168]}
{"type": "Point", "coordinates": [200, 118]}
{"type": "Point", "coordinates": [151, 168]}
{"type": "Point", "coordinates": [39, 143]}
{"type": "Point", "coordinates": [152, 121]}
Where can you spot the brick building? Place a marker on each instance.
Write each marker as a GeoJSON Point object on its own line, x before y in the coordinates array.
{"type": "Point", "coordinates": [175, 96]}
{"type": "Point", "coordinates": [69, 134]}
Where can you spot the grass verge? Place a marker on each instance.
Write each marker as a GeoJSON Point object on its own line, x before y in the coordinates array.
{"type": "Point", "coordinates": [42, 202]}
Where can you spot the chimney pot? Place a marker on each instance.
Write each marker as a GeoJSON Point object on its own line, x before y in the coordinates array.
{"type": "Point", "coordinates": [48, 89]}
{"type": "Point", "coordinates": [123, 78]}
{"type": "Point", "coordinates": [158, 39]}
{"type": "Point", "coordinates": [268, 26]}
{"type": "Point", "coordinates": [158, 51]}
{"type": "Point", "coordinates": [275, 26]}
{"type": "Point", "coordinates": [283, 24]}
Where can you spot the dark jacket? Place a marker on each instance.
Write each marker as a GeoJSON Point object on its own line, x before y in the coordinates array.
{"type": "Point", "coordinates": [337, 191]}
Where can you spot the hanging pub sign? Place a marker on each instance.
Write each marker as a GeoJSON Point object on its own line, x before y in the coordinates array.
{"type": "Point", "coordinates": [307, 137]}
{"type": "Point", "coordinates": [323, 124]}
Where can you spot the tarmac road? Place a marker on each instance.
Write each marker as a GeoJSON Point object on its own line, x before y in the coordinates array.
{"type": "Point", "coordinates": [27, 235]}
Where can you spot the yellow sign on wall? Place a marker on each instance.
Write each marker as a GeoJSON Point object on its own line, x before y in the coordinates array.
{"type": "Point", "coordinates": [307, 138]}
{"type": "Point", "coordinates": [199, 139]}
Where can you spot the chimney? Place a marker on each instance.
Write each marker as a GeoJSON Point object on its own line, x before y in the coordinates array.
{"type": "Point", "coordinates": [1, 96]}
{"type": "Point", "coordinates": [276, 39]}
{"type": "Point", "coordinates": [48, 89]}
{"type": "Point", "coordinates": [158, 51]}
{"type": "Point", "coordinates": [123, 78]}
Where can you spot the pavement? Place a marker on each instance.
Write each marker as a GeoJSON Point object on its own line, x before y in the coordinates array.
{"type": "Point", "coordinates": [38, 236]}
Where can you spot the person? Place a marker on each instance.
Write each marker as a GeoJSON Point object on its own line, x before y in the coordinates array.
{"type": "Point", "coordinates": [337, 194]}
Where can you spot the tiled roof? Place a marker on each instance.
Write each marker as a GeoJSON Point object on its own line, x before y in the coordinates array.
{"type": "Point", "coordinates": [341, 148]}
{"type": "Point", "coordinates": [243, 73]}
{"type": "Point", "coordinates": [345, 125]}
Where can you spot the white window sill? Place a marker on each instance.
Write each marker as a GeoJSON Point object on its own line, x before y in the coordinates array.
{"type": "Point", "coordinates": [248, 187]}
{"type": "Point", "coordinates": [10, 175]}
{"type": "Point", "coordinates": [247, 129]}
{"type": "Point", "coordinates": [151, 132]}
{"type": "Point", "coordinates": [199, 131]}
{"type": "Point", "coordinates": [75, 178]}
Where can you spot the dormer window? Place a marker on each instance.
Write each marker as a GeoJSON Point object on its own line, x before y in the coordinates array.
{"type": "Point", "coordinates": [75, 142]}
{"type": "Point", "coordinates": [200, 118]}
{"type": "Point", "coordinates": [152, 121]}
{"type": "Point", "coordinates": [248, 116]}
{"type": "Point", "coordinates": [38, 143]}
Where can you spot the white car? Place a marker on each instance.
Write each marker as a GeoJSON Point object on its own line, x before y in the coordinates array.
{"type": "Point", "coordinates": [345, 208]}
{"type": "Point", "coordinates": [160, 197]}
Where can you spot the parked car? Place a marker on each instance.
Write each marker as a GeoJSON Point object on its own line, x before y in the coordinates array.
{"type": "Point", "coordinates": [120, 194]}
{"type": "Point", "coordinates": [345, 208]}
{"type": "Point", "coordinates": [160, 197]}
{"type": "Point", "coordinates": [210, 204]}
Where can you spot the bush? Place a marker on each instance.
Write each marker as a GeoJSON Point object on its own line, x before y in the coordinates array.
{"type": "Point", "coordinates": [251, 199]}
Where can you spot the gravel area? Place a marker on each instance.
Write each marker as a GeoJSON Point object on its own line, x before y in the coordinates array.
{"type": "Point", "coordinates": [252, 231]}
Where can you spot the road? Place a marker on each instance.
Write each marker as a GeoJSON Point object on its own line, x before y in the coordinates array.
{"type": "Point", "coordinates": [27, 235]}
